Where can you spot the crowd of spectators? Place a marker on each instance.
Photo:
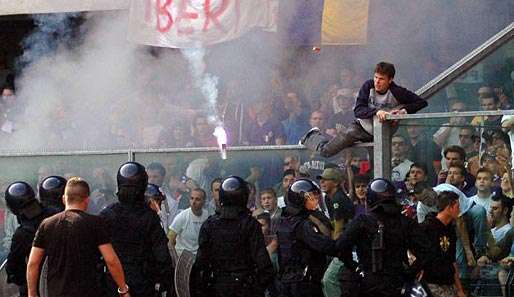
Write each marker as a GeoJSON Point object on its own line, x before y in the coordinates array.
{"type": "Point", "coordinates": [471, 156]}
{"type": "Point", "coordinates": [485, 203]}
{"type": "Point", "coordinates": [191, 187]}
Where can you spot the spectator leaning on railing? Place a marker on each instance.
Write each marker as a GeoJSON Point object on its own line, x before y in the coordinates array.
{"type": "Point", "coordinates": [379, 96]}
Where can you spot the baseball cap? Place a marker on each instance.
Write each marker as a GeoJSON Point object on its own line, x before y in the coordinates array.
{"type": "Point", "coordinates": [331, 174]}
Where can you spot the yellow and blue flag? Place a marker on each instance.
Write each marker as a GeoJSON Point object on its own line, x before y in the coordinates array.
{"type": "Point", "coordinates": [345, 22]}
{"type": "Point", "coordinates": [327, 22]}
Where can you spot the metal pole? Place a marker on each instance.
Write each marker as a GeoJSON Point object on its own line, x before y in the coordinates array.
{"type": "Point", "coordinates": [466, 63]}
{"type": "Point", "coordinates": [483, 145]}
{"type": "Point", "coordinates": [131, 155]}
{"type": "Point", "coordinates": [381, 148]}
{"type": "Point", "coordinates": [434, 115]}
{"type": "Point", "coordinates": [241, 118]}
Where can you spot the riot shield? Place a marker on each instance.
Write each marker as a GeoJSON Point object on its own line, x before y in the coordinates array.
{"type": "Point", "coordinates": [173, 253]}
{"type": "Point", "coordinates": [6, 290]}
{"type": "Point", "coordinates": [183, 273]}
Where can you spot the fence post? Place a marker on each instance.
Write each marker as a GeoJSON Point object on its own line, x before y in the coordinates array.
{"type": "Point", "coordinates": [382, 148]}
{"type": "Point", "coordinates": [131, 155]}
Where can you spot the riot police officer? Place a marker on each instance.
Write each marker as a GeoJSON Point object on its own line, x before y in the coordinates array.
{"type": "Point", "coordinates": [382, 237]}
{"type": "Point", "coordinates": [232, 260]}
{"type": "Point", "coordinates": [137, 236]}
{"type": "Point", "coordinates": [22, 202]}
{"type": "Point", "coordinates": [51, 190]}
{"type": "Point", "coordinates": [302, 245]}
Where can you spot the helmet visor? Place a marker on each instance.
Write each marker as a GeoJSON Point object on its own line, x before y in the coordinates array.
{"type": "Point", "coordinates": [382, 188]}
{"type": "Point", "coordinates": [312, 200]}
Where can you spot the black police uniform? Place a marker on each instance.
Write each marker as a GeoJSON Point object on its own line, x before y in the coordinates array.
{"type": "Point", "coordinates": [302, 248]}
{"type": "Point", "coordinates": [137, 237]}
{"type": "Point", "coordinates": [20, 199]}
{"type": "Point", "coordinates": [232, 260]}
{"type": "Point", "coordinates": [382, 238]}
{"type": "Point", "coordinates": [51, 191]}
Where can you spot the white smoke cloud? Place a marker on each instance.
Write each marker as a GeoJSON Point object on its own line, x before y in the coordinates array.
{"type": "Point", "coordinates": [72, 95]}
{"type": "Point", "coordinates": [206, 82]}
{"type": "Point", "coordinates": [99, 91]}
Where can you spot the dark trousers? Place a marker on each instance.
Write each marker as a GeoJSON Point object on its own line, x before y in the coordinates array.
{"type": "Point", "coordinates": [301, 289]}
{"type": "Point", "coordinates": [234, 289]}
{"type": "Point", "coordinates": [352, 285]}
{"type": "Point", "coordinates": [329, 147]}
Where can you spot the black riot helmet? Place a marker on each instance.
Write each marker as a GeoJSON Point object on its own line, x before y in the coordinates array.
{"type": "Point", "coordinates": [21, 200]}
{"type": "Point", "coordinates": [153, 193]}
{"type": "Point", "coordinates": [51, 190]}
{"type": "Point", "coordinates": [132, 181]}
{"type": "Point", "coordinates": [380, 190]}
{"type": "Point", "coordinates": [234, 191]}
{"type": "Point", "coordinates": [296, 194]}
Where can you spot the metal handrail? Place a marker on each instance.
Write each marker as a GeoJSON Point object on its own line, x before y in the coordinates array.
{"type": "Point", "coordinates": [234, 148]}
{"type": "Point", "coordinates": [466, 63]}
{"type": "Point", "coordinates": [215, 149]}
{"type": "Point", "coordinates": [163, 150]}
{"type": "Point", "coordinates": [449, 114]}
{"type": "Point", "coordinates": [60, 153]}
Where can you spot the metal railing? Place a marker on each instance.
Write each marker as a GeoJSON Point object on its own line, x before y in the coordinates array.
{"type": "Point", "coordinates": [382, 132]}
{"type": "Point", "coordinates": [466, 63]}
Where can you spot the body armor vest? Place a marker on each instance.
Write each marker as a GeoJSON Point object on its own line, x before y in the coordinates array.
{"type": "Point", "coordinates": [293, 255]}
{"type": "Point", "coordinates": [129, 228]}
{"type": "Point", "coordinates": [230, 253]}
{"type": "Point", "coordinates": [387, 244]}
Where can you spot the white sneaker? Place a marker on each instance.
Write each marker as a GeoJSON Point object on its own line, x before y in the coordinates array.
{"type": "Point", "coordinates": [304, 137]}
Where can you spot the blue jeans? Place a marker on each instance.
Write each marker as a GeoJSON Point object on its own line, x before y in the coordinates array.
{"type": "Point", "coordinates": [476, 221]}
{"type": "Point", "coordinates": [330, 283]}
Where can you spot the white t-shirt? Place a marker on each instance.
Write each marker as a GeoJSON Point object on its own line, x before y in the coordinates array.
{"type": "Point", "coordinates": [499, 233]}
{"type": "Point", "coordinates": [385, 101]}
{"type": "Point", "coordinates": [187, 226]}
{"type": "Point", "coordinates": [484, 202]}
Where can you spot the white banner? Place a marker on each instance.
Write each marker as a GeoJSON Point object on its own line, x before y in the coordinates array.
{"type": "Point", "coordinates": [194, 23]}
{"type": "Point", "coordinates": [54, 6]}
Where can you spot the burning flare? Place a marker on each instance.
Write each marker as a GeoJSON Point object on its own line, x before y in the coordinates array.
{"type": "Point", "coordinates": [221, 136]}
